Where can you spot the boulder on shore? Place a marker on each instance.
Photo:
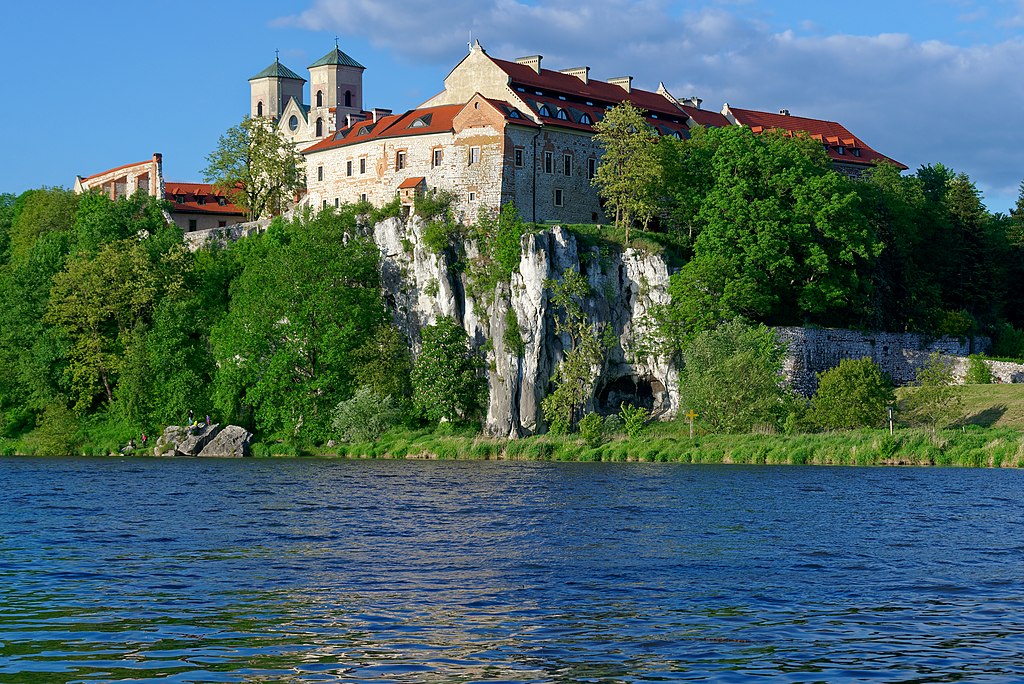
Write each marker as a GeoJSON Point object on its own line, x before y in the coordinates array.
{"type": "Point", "coordinates": [230, 441]}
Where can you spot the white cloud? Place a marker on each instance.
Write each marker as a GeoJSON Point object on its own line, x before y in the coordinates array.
{"type": "Point", "coordinates": [919, 102]}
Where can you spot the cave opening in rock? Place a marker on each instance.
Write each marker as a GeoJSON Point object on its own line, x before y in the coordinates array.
{"type": "Point", "coordinates": [638, 390]}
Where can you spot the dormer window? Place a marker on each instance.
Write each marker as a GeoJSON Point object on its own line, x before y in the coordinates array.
{"type": "Point", "coordinates": [514, 115]}
{"type": "Point", "coordinates": [522, 90]}
{"type": "Point", "coordinates": [675, 134]}
{"type": "Point", "coordinates": [544, 111]}
{"type": "Point", "coordinates": [538, 92]}
{"type": "Point", "coordinates": [221, 201]}
{"type": "Point", "coordinates": [179, 198]}
{"type": "Point", "coordinates": [841, 150]}
{"type": "Point", "coordinates": [585, 119]}
{"type": "Point", "coordinates": [201, 199]}
{"type": "Point", "coordinates": [855, 151]}
{"type": "Point", "coordinates": [424, 121]}
{"type": "Point", "coordinates": [654, 116]}
{"type": "Point", "coordinates": [589, 103]}
{"type": "Point", "coordinates": [560, 114]}
{"type": "Point", "coordinates": [562, 98]}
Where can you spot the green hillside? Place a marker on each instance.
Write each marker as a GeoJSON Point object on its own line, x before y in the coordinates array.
{"type": "Point", "coordinates": [990, 405]}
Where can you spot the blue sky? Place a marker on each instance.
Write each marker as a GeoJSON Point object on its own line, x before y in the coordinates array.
{"type": "Point", "coordinates": [90, 86]}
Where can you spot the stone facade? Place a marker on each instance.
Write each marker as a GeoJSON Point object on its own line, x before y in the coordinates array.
{"type": "Point", "coordinates": [899, 355]}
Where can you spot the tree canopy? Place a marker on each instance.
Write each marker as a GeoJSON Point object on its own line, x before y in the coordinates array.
{"type": "Point", "coordinates": [257, 166]}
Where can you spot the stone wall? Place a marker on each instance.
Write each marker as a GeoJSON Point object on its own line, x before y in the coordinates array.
{"type": "Point", "coordinates": [813, 350]}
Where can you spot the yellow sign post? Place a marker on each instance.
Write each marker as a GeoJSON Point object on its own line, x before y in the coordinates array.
{"type": "Point", "coordinates": [690, 415]}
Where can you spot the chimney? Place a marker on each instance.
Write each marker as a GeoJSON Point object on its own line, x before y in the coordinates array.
{"type": "Point", "coordinates": [532, 61]}
{"type": "Point", "coordinates": [379, 113]}
{"type": "Point", "coordinates": [157, 157]}
{"type": "Point", "coordinates": [784, 112]}
{"type": "Point", "coordinates": [582, 73]}
{"type": "Point", "coordinates": [624, 82]}
{"type": "Point", "coordinates": [693, 101]}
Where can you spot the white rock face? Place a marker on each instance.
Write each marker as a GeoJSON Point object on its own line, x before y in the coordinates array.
{"type": "Point", "coordinates": [625, 287]}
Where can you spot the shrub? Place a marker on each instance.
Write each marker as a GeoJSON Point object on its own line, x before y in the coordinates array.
{"type": "Point", "coordinates": [392, 209]}
{"type": "Point", "coordinates": [1008, 342]}
{"type": "Point", "coordinates": [732, 376]}
{"type": "Point", "coordinates": [978, 371]}
{"type": "Point", "coordinates": [853, 394]}
{"type": "Point", "coordinates": [592, 430]}
{"type": "Point", "coordinates": [634, 418]}
{"type": "Point", "coordinates": [365, 416]}
{"type": "Point", "coordinates": [936, 398]}
{"type": "Point", "coordinates": [955, 324]}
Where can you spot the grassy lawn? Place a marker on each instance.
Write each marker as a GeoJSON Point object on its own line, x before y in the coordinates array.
{"type": "Point", "coordinates": [990, 405]}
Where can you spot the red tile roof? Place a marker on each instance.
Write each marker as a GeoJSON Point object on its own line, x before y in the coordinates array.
{"type": "Point", "coordinates": [432, 120]}
{"type": "Point", "coordinates": [411, 182]}
{"type": "Point", "coordinates": [192, 192]}
{"type": "Point", "coordinates": [600, 93]}
{"type": "Point", "coordinates": [829, 133]}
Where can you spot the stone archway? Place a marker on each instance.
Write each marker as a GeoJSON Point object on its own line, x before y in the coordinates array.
{"type": "Point", "coordinates": [640, 390]}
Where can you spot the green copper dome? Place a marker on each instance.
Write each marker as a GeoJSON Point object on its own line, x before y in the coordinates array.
{"type": "Point", "coordinates": [278, 70]}
{"type": "Point", "coordinates": [336, 57]}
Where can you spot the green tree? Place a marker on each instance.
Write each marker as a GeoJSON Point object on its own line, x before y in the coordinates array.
{"type": "Point", "coordinates": [732, 377]}
{"type": "Point", "coordinates": [629, 172]}
{"type": "Point", "coordinates": [258, 166]}
{"type": "Point", "coordinates": [574, 377]}
{"type": "Point", "coordinates": [97, 301]}
{"type": "Point", "coordinates": [447, 380]}
{"type": "Point", "coordinates": [936, 399]}
{"type": "Point", "coordinates": [853, 394]}
{"type": "Point", "coordinates": [780, 238]}
{"type": "Point", "coordinates": [365, 416]}
{"type": "Point", "coordinates": [306, 298]}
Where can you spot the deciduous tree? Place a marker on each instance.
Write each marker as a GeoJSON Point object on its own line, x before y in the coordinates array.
{"type": "Point", "coordinates": [257, 166]}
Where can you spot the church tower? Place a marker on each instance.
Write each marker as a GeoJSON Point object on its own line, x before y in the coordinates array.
{"type": "Point", "coordinates": [335, 82]}
{"type": "Point", "coordinates": [271, 89]}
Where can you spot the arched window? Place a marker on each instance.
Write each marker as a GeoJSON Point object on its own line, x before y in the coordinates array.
{"type": "Point", "coordinates": [259, 109]}
{"type": "Point", "coordinates": [560, 114]}
{"type": "Point", "coordinates": [319, 98]}
{"type": "Point", "coordinates": [319, 127]}
{"type": "Point", "coordinates": [585, 119]}
{"type": "Point", "coordinates": [348, 98]}
{"type": "Point", "coordinates": [544, 111]}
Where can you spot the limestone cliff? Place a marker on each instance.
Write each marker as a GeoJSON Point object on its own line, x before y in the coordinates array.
{"type": "Point", "coordinates": [421, 286]}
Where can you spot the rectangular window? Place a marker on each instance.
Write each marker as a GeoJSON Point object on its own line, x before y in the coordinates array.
{"type": "Point", "coordinates": [519, 157]}
{"type": "Point", "coordinates": [591, 168]}
{"type": "Point", "coordinates": [549, 163]}
{"type": "Point", "coordinates": [567, 164]}
{"type": "Point", "coordinates": [337, 202]}
{"type": "Point", "coordinates": [362, 165]}
{"type": "Point", "coordinates": [362, 197]}
{"type": "Point", "coordinates": [400, 160]}
{"type": "Point", "coordinates": [348, 168]}
{"type": "Point", "coordinates": [319, 173]}
{"type": "Point", "coordinates": [222, 224]}
{"type": "Point", "coordinates": [474, 155]}
{"type": "Point", "coordinates": [191, 224]}
{"type": "Point", "coordinates": [325, 204]}
{"type": "Point", "coordinates": [438, 156]}
{"type": "Point", "coordinates": [558, 197]}
{"type": "Point", "coordinates": [472, 196]}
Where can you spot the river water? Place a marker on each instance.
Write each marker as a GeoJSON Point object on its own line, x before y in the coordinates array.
{"type": "Point", "coordinates": [410, 571]}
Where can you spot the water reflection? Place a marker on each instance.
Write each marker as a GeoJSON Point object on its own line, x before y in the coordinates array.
{"type": "Point", "coordinates": [420, 571]}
